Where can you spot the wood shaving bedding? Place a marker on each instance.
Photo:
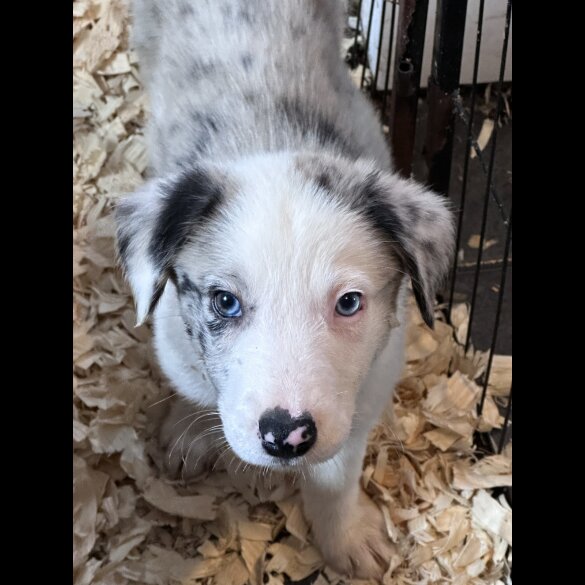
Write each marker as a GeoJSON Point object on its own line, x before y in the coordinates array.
{"type": "Point", "coordinates": [131, 524]}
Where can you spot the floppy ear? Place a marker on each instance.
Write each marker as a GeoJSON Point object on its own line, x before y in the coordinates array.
{"type": "Point", "coordinates": [153, 225]}
{"type": "Point", "coordinates": [420, 224]}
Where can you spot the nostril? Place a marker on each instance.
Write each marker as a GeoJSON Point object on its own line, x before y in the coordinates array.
{"type": "Point", "coordinates": [286, 436]}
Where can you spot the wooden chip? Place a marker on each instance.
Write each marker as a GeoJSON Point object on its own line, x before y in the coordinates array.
{"type": "Point", "coordinates": [485, 134]}
{"type": "Point", "coordinates": [442, 438]}
{"type": "Point", "coordinates": [493, 471]}
{"type": "Point", "coordinates": [492, 516]}
{"type": "Point", "coordinates": [475, 240]}
{"type": "Point", "coordinates": [252, 553]}
{"type": "Point", "coordinates": [295, 520]}
{"type": "Point", "coordinates": [128, 539]}
{"type": "Point", "coordinates": [255, 531]}
{"type": "Point", "coordinates": [165, 498]}
{"type": "Point", "coordinates": [297, 565]}
{"type": "Point", "coordinates": [233, 572]}
{"type": "Point", "coordinates": [500, 380]}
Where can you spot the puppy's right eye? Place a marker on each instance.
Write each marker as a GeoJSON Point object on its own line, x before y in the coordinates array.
{"type": "Point", "coordinates": [227, 305]}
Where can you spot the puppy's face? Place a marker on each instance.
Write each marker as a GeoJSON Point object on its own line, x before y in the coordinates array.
{"type": "Point", "coordinates": [287, 270]}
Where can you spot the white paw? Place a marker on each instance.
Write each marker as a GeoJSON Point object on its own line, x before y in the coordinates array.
{"type": "Point", "coordinates": [191, 440]}
{"type": "Point", "coordinates": [355, 542]}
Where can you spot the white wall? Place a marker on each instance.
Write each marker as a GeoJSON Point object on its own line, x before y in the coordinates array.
{"type": "Point", "coordinates": [491, 43]}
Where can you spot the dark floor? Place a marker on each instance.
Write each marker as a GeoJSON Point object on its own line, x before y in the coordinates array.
{"type": "Point", "coordinates": [490, 273]}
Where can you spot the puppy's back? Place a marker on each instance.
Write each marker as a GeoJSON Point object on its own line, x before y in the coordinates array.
{"type": "Point", "coordinates": [230, 78]}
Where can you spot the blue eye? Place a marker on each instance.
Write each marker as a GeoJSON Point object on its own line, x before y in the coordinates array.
{"type": "Point", "coordinates": [227, 305]}
{"type": "Point", "coordinates": [349, 304]}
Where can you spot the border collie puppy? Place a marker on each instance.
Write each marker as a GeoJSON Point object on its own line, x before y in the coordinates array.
{"type": "Point", "coordinates": [274, 247]}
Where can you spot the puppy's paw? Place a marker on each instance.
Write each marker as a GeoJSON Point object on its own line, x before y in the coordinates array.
{"type": "Point", "coordinates": [190, 439]}
{"type": "Point", "coordinates": [355, 542]}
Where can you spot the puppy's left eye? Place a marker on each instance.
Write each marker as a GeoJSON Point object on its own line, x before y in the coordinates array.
{"type": "Point", "coordinates": [227, 305]}
{"type": "Point", "coordinates": [349, 304]}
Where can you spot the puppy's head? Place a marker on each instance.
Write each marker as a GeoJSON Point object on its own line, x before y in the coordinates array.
{"type": "Point", "coordinates": [287, 270]}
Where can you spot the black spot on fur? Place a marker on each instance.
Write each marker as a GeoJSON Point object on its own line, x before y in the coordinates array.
{"type": "Point", "coordinates": [173, 277]}
{"type": "Point", "coordinates": [211, 123]}
{"type": "Point", "coordinates": [250, 97]}
{"type": "Point", "coordinates": [205, 122]}
{"type": "Point", "coordinates": [205, 126]}
{"type": "Point", "coordinates": [413, 212]}
{"type": "Point", "coordinates": [191, 201]}
{"type": "Point", "coordinates": [431, 250]}
{"type": "Point", "coordinates": [123, 244]}
{"type": "Point", "coordinates": [200, 147]}
{"type": "Point", "coordinates": [298, 32]}
{"type": "Point", "coordinates": [324, 181]}
{"type": "Point", "coordinates": [217, 326]}
{"type": "Point", "coordinates": [245, 15]}
{"type": "Point", "coordinates": [309, 121]}
{"type": "Point", "coordinates": [159, 288]}
{"type": "Point", "coordinates": [383, 216]}
{"type": "Point", "coordinates": [382, 213]}
{"type": "Point", "coordinates": [123, 239]}
{"type": "Point", "coordinates": [247, 60]}
{"type": "Point", "coordinates": [154, 13]}
{"type": "Point", "coordinates": [201, 69]}
{"type": "Point", "coordinates": [202, 342]}
{"type": "Point", "coordinates": [186, 286]}
{"type": "Point", "coordinates": [185, 9]}
{"type": "Point", "coordinates": [227, 11]}
{"type": "Point", "coordinates": [188, 330]}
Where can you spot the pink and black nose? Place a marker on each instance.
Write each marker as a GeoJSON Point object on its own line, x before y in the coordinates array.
{"type": "Point", "coordinates": [284, 436]}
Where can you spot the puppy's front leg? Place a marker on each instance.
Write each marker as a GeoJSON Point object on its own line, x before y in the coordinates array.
{"type": "Point", "coordinates": [347, 526]}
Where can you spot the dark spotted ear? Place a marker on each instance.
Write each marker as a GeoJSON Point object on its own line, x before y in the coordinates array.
{"type": "Point", "coordinates": [154, 224]}
{"type": "Point", "coordinates": [419, 224]}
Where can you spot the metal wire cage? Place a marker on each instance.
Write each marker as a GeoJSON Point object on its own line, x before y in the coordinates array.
{"type": "Point", "coordinates": [444, 119]}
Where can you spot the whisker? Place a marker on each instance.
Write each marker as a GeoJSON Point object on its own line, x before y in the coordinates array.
{"type": "Point", "coordinates": [180, 437]}
{"type": "Point", "coordinates": [203, 415]}
{"type": "Point", "coordinates": [206, 433]}
{"type": "Point", "coordinates": [232, 460]}
{"type": "Point", "coordinates": [162, 399]}
{"type": "Point", "coordinates": [226, 449]}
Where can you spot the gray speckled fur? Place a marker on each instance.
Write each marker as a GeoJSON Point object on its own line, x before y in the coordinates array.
{"type": "Point", "coordinates": [219, 71]}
